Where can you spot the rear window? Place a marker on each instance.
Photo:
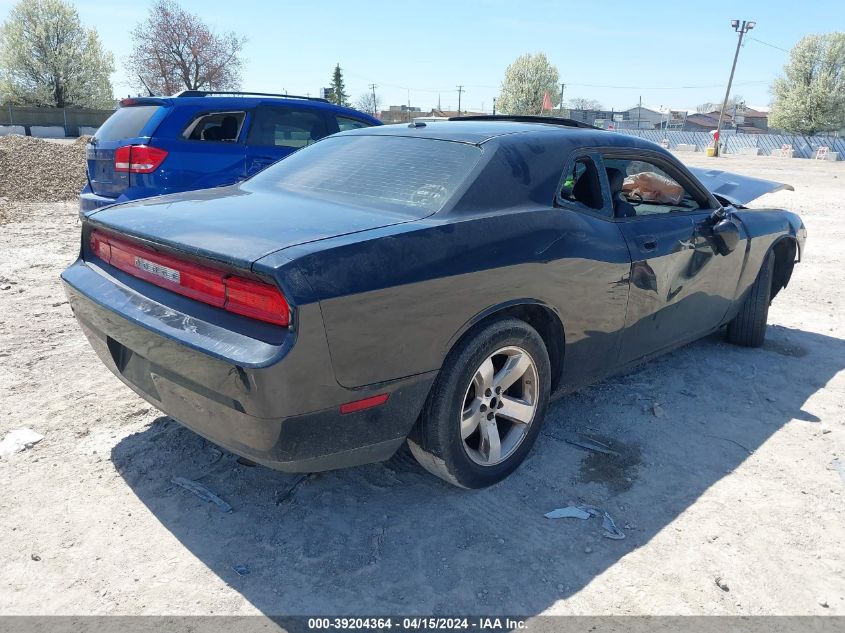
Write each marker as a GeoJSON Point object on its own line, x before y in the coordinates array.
{"type": "Point", "coordinates": [126, 122]}
{"type": "Point", "coordinates": [377, 171]}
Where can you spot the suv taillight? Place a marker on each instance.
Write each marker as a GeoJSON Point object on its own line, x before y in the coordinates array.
{"type": "Point", "coordinates": [138, 159]}
{"type": "Point", "coordinates": [247, 297]}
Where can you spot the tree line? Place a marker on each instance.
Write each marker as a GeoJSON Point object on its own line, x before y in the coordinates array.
{"type": "Point", "coordinates": [49, 58]}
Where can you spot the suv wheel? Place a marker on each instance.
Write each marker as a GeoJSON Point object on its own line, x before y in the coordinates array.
{"type": "Point", "coordinates": [486, 407]}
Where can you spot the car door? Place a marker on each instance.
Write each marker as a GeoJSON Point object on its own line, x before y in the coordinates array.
{"type": "Point", "coordinates": [279, 130]}
{"type": "Point", "coordinates": [206, 150]}
{"type": "Point", "coordinates": [680, 287]}
{"type": "Point", "coordinates": [591, 266]}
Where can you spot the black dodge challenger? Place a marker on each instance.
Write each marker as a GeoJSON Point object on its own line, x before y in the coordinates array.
{"type": "Point", "coordinates": [431, 283]}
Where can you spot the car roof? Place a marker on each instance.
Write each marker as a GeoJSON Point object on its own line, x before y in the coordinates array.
{"type": "Point", "coordinates": [478, 132]}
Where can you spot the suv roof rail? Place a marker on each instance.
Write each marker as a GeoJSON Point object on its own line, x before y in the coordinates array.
{"type": "Point", "coordinates": [525, 118]}
{"type": "Point", "coordinates": [208, 93]}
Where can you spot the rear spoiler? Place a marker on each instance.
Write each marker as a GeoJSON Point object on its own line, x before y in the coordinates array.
{"type": "Point", "coordinates": [736, 189]}
{"type": "Point", "coordinates": [138, 101]}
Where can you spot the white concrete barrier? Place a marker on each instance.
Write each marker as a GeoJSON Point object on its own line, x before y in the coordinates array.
{"type": "Point", "coordinates": [6, 130]}
{"type": "Point", "coordinates": [47, 131]}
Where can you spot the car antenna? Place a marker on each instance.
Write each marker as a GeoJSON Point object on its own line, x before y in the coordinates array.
{"type": "Point", "coordinates": [150, 92]}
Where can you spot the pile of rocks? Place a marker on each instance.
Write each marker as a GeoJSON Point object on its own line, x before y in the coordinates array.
{"type": "Point", "coordinates": [36, 170]}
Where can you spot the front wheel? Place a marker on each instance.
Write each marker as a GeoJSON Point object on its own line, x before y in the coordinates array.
{"type": "Point", "coordinates": [486, 408]}
{"type": "Point", "coordinates": [748, 327]}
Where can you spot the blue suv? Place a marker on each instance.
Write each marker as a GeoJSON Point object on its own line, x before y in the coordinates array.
{"type": "Point", "coordinates": [197, 139]}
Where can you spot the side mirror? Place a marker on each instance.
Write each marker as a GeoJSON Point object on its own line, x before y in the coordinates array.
{"type": "Point", "coordinates": [726, 236]}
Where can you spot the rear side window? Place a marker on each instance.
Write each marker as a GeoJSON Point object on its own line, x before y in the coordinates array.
{"type": "Point", "coordinates": [215, 126]}
{"type": "Point", "coordinates": [286, 127]}
{"type": "Point", "coordinates": [581, 184]}
{"type": "Point", "coordinates": [126, 122]}
{"type": "Point", "coordinates": [388, 172]}
{"type": "Point", "coordinates": [345, 123]}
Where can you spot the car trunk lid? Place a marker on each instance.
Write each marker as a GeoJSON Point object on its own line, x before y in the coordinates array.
{"type": "Point", "coordinates": [236, 226]}
{"type": "Point", "coordinates": [736, 189]}
{"type": "Point", "coordinates": [131, 124]}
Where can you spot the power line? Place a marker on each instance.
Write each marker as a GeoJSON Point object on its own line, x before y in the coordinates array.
{"type": "Point", "coordinates": [463, 87]}
{"type": "Point", "coordinates": [769, 45]}
{"type": "Point", "coordinates": [744, 83]}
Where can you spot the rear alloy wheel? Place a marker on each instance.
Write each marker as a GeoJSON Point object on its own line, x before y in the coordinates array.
{"type": "Point", "coordinates": [499, 406]}
{"type": "Point", "coordinates": [486, 407]}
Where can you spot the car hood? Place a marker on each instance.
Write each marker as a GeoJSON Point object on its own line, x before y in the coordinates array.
{"type": "Point", "coordinates": [238, 226]}
{"type": "Point", "coordinates": [736, 189]}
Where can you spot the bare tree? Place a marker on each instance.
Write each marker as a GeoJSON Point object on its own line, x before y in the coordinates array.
{"type": "Point", "coordinates": [175, 50]}
{"type": "Point", "coordinates": [582, 103]}
{"type": "Point", "coordinates": [712, 106]}
{"type": "Point", "coordinates": [369, 102]}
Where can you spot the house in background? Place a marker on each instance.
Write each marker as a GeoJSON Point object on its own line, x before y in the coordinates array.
{"type": "Point", "coordinates": [644, 118]}
{"type": "Point", "coordinates": [755, 119]}
{"type": "Point", "coordinates": [749, 121]}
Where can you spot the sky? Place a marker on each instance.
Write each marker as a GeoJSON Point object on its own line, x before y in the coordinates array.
{"type": "Point", "coordinates": [672, 54]}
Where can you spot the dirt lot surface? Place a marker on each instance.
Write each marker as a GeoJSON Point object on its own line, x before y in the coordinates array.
{"type": "Point", "coordinates": [727, 476]}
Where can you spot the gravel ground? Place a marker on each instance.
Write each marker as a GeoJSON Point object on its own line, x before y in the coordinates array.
{"type": "Point", "coordinates": [726, 487]}
{"type": "Point", "coordinates": [39, 170]}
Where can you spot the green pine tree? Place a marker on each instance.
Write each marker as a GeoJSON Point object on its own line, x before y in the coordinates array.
{"type": "Point", "coordinates": [338, 95]}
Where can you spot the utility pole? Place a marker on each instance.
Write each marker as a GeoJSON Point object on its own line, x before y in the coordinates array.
{"type": "Point", "coordinates": [742, 30]}
{"type": "Point", "coordinates": [375, 106]}
{"type": "Point", "coordinates": [494, 106]}
{"type": "Point", "coordinates": [639, 112]}
{"type": "Point", "coordinates": [560, 107]}
{"type": "Point", "coordinates": [460, 90]}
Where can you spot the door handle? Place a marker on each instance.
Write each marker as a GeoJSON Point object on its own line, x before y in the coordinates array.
{"type": "Point", "coordinates": [648, 243]}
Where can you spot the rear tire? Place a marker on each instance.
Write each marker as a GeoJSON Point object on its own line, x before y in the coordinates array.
{"type": "Point", "coordinates": [748, 327]}
{"type": "Point", "coordinates": [486, 407]}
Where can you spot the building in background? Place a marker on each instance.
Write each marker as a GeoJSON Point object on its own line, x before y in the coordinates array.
{"type": "Point", "coordinates": [404, 114]}
{"type": "Point", "coordinates": [399, 114]}
{"type": "Point", "coordinates": [747, 121]}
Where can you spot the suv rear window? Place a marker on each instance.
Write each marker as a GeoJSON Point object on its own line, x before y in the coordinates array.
{"type": "Point", "coordinates": [388, 172]}
{"type": "Point", "coordinates": [126, 122]}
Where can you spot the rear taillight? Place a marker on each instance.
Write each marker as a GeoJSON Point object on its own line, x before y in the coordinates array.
{"type": "Point", "coordinates": [138, 159]}
{"type": "Point", "coordinates": [247, 297]}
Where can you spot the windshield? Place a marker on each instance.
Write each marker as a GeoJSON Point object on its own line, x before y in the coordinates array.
{"type": "Point", "coordinates": [376, 171]}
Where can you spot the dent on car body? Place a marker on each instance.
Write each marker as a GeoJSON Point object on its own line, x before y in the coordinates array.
{"type": "Point", "coordinates": [735, 188]}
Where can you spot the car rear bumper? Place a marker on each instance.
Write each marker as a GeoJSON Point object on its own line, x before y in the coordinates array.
{"type": "Point", "coordinates": [275, 403]}
{"type": "Point", "coordinates": [90, 201]}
